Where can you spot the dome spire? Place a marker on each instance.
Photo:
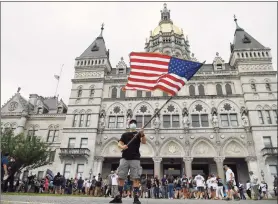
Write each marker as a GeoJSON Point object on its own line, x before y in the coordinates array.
{"type": "Point", "coordinates": [237, 27]}
{"type": "Point", "coordinates": [165, 13]}
{"type": "Point", "coordinates": [102, 28]}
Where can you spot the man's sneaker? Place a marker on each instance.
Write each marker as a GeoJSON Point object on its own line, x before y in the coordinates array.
{"type": "Point", "coordinates": [117, 199]}
{"type": "Point", "coordinates": [136, 200]}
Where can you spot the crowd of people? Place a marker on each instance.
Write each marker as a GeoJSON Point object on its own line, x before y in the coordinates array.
{"type": "Point", "coordinates": [168, 187]}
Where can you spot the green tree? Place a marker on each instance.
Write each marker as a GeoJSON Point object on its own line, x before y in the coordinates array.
{"type": "Point", "coordinates": [30, 152]}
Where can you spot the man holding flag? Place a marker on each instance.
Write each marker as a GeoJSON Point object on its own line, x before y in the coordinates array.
{"type": "Point", "coordinates": [149, 71]}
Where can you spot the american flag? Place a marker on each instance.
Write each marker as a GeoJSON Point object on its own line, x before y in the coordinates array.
{"type": "Point", "coordinates": [150, 71]}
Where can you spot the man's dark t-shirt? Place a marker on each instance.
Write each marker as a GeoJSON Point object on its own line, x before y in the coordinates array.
{"type": "Point", "coordinates": [132, 153]}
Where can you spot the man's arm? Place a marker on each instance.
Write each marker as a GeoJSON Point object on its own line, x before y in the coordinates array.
{"type": "Point", "coordinates": [143, 137]}
{"type": "Point", "coordinates": [121, 145]}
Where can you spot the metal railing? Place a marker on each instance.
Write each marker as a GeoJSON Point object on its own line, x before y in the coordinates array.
{"type": "Point", "coordinates": [271, 151]}
{"type": "Point", "coordinates": [75, 151]}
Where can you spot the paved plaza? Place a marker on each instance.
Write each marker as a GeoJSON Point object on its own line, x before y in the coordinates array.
{"type": "Point", "coordinates": [26, 199]}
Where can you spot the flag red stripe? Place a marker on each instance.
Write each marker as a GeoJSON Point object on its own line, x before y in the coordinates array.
{"type": "Point", "coordinates": [149, 68]}
{"type": "Point", "coordinates": [144, 74]}
{"type": "Point", "coordinates": [154, 82]}
{"type": "Point", "coordinates": [149, 61]}
{"type": "Point", "coordinates": [144, 54]}
{"type": "Point", "coordinates": [152, 88]}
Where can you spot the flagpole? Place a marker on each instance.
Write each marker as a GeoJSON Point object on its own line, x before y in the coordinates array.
{"type": "Point", "coordinates": [149, 120]}
{"type": "Point", "coordinates": [59, 79]}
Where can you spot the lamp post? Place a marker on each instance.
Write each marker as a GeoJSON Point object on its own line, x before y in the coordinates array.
{"type": "Point", "coordinates": [90, 173]}
{"type": "Point", "coordinates": [262, 174]}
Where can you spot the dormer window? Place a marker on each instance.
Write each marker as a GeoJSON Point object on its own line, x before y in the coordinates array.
{"type": "Point", "coordinates": [95, 47]}
{"type": "Point", "coordinates": [219, 66]}
{"type": "Point", "coordinates": [121, 71]}
{"type": "Point", "coordinates": [246, 39]}
{"type": "Point", "coordinates": [60, 110]}
{"type": "Point", "coordinates": [40, 110]}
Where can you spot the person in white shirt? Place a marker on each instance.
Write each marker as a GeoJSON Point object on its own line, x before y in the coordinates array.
{"type": "Point", "coordinates": [114, 188]}
{"type": "Point", "coordinates": [248, 189]}
{"type": "Point", "coordinates": [230, 180]}
{"type": "Point", "coordinates": [200, 181]}
{"type": "Point", "coordinates": [213, 184]}
{"type": "Point", "coordinates": [208, 185]}
{"type": "Point", "coordinates": [264, 189]}
{"type": "Point", "coordinates": [87, 187]}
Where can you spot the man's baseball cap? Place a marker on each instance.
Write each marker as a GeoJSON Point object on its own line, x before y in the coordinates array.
{"type": "Point", "coordinates": [132, 121]}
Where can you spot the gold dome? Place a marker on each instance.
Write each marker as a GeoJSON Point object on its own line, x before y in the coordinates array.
{"type": "Point", "coordinates": [166, 28]}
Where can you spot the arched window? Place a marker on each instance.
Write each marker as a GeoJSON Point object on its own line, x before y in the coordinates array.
{"type": "Point", "coordinates": [238, 54]}
{"type": "Point", "coordinates": [92, 62]}
{"type": "Point", "coordinates": [53, 134]}
{"type": "Point", "coordinates": [92, 92]}
{"type": "Point", "coordinates": [192, 90]}
{"type": "Point", "coordinates": [79, 92]}
{"type": "Point", "coordinates": [261, 118]}
{"type": "Point", "coordinates": [114, 92]}
{"type": "Point", "coordinates": [81, 121]}
{"type": "Point", "coordinates": [139, 93]}
{"type": "Point", "coordinates": [255, 54]}
{"type": "Point", "coordinates": [250, 54]}
{"type": "Point", "coordinates": [263, 54]}
{"type": "Point", "coordinates": [267, 86]}
{"type": "Point", "coordinates": [242, 55]}
{"type": "Point", "coordinates": [259, 54]}
{"type": "Point", "coordinates": [171, 117]}
{"type": "Point", "coordinates": [81, 63]}
{"type": "Point", "coordinates": [253, 86]}
{"type": "Point", "coordinates": [116, 117]}
{"type": "Point", "coordinates": [77, 63]}
{"type": "Point", "coordinates": [219, 91]}
{"type": "Point", "coordinates": [88, 120]}
{"type": "Point", "coordinates": [228, 115]}
{"type": "Point", "coordinates": [201, 90]}
{"type": "Point", "coordinates": [266, 54]}
{"type": "Point", "coordinates": [246, 54]}
{"type": "Point", "coordinates": [122, 93]}
{"type": "Point", "coordinates": [85, 62]}
{"type": "Point", "coordinates": [228, 89]}
{"type": "Point", "coordinates": [74, 122]}
{"type": "Point", "coordinates": [33, 131]}
{"type": "Point", "coordinates": [199, 116]}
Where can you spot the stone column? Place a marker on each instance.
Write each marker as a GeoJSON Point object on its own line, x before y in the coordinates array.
{"type": "Point", "coordinates": [157, 162]}
{"type": "Point", "coordinates": [21, 124]}
{"type": "Point", "coordinates": [188, 166]}
{"type": "Point", "coordinates": [98, 165]}
{"type": "Point", "coordinates": [253, 165]}
{"type": "Point", "coordinates": [219, 164]}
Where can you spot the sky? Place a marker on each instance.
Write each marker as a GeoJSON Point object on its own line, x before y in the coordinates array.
{"type": "Point", "coordinates": [37, 38]}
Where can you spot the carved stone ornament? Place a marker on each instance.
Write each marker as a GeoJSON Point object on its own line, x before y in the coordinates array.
{"type": "Point", "coordinates": [201, 149]}
{"type": "Point", "coordinates": [234, 149]}
{"type": "Point", "coordinates": [219, 159]}
{"type": "Point", "coordinates": [250, 158]}
{"type": "Point", "coordinates": [173, 148]}
{"type": "Point", "coordinates": [188, 159]}
{"type": "Point", "coordinates": [13, 106]}
{"type": "Point", "coordinates": [157, 159]}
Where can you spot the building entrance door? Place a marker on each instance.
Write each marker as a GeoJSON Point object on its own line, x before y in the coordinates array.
{"type": "Point", "coordinates": [172, 169]}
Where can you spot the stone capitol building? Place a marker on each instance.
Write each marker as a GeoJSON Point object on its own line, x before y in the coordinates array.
{"type": "Point", "coordinates": [226, 114]}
